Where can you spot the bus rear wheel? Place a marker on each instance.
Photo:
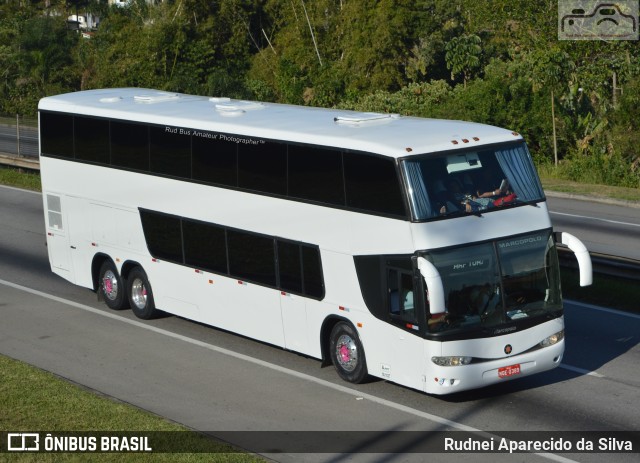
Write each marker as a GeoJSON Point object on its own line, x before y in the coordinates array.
{"type": "Point", "coordinates": [347, 353]}
{"type": "Point", "coordinates": [111, 286]}
{"type": "Point", "coordinates": [140, 295]}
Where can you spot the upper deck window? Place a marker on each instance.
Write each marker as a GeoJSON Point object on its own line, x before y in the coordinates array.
{"type": "Point", "coordinates": [170, 152]}
{"type": "Point", "coordinates": [92, 139]}
{"type": "Point", "coordinates": [56, 134]}
{"type": "Point", "coordinates": [262, 166]}
{"type": "Point", "coordinates": [327, 176]}
{"type": "Point", "coordinates": [316, 174]}
{"type": "Point", "coordinates": [130, 145]}
{"type": "Point", "coordinates": [472, 181]}
{"type": "Point", "coordinates": [372, 184]}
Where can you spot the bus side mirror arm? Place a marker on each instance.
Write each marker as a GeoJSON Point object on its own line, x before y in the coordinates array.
{"type": "Point", "coordinates": [582, 255]}
{"type": "Point", "coordinates": [433, 281]}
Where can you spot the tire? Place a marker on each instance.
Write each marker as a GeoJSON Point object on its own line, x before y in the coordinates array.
{"type": "Point", "coordinates": [140, 295]}
{"type": "Point", "coordinates": [111, 286]}
{"type": "Point", "coordinates": [347, 353]}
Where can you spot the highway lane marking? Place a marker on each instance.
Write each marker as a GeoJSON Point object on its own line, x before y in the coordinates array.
{"type": "Point", "coordinates": [339, 388]}
{"type": "Point", "coordinates": [582, 371]}
{"type": "Point", "coordinates": [617, 222]}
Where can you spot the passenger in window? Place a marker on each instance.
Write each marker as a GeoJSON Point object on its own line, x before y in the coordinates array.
{"type": "Point", "coordinates": [438, 322]}
{"type": "Point", "coordinates": [503, 193]}
{"type": "Point", "coordinates": [454, 199]}
{"type": "Point", "coordinates": [503, 189]}
{"type": "Point", "coordinates": [397, 305]}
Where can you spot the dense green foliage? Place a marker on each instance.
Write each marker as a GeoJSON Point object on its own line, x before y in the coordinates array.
{"type": "Point", "coordinates": [496, 62]}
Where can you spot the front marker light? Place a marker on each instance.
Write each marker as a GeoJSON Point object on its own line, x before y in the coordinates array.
{"type": "Point", "coordinates": [452, 361]}
{"type": "Point", "coordinates": [553, 339]}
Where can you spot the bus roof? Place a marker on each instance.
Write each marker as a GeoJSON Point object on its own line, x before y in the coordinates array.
{"type": "Point", "coordinates": [386, 134]}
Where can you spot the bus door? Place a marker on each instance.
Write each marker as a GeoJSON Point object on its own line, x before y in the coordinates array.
{"type": "Point", "coordinates": [294, 321]}
{"type": "Point", "coordinates": [292, 261]}
{"type": "Point", "coordinates": [57, 237]}
{"type": "Point", "coordinates": [406, 310]}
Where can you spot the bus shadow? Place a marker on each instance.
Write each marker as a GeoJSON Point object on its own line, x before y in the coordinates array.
{"type": "Point", "coordinates": [594, 340]}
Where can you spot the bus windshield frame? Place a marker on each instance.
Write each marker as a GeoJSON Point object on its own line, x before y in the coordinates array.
{"type": "Point", "coordinates": [470, 181]}
{"type": "Point", "coordinates": [503, 284]}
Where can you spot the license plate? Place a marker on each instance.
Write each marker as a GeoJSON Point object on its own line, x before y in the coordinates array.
{"type": "Point", "coordinates": [511, 370]}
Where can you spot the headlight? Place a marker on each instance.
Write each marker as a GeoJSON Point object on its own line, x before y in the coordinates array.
{"type": "Point", "coordinates": [553, 339]}
{"type": "Point", "coordinates": [453, 361]}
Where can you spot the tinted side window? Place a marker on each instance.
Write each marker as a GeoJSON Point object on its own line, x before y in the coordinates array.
{"type": "Point", "coordinates": [204, 246]}
{"type": "Point", "coordinates": [56, 134]}
{"type": "Point", "coordinates": [170, 152]}
{"type": "Point", "coordinates": [130, 145]}
{"type": "Point", "coordinates": [372, 184]}
{"type": "Point", "coordinates": [163, 236]}
{"type": "Point", "coordinates": [289, 266]}
{"type": "Point", "coordinates": [214, 161]}
{"type": "Point", "coordinates": [263, 167]}
{"type": "Point", "coordinates": [316, 174]}
{"type": "Point", "coordinates": [92, 139]}
{"type": "Point", "coordinates": [312, 271]}
{"type": "Point", "coordinates": [251, 257]}
{"type": "Point", "coordinates": [401, 295]}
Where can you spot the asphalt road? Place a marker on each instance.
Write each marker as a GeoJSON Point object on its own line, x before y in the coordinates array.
{"type": "Point", "coordinates": [609, 228]}
{"type": "Point", "coordinates": [211, 380]}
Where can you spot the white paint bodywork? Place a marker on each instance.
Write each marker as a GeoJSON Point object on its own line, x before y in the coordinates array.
{"type": "Point", "coordinates": [100, 212]}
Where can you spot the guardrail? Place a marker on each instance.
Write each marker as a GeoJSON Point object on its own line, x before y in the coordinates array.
{"type": "Point", "coordinates": [604, 264]}
{"type": "Point", "coordinates": [22, 162]}
{"type": "Point", "coordinates": [19, 142]}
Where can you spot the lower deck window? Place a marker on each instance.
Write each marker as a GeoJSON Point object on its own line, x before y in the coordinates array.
{"type": "Point", "coordinates": [251, 257]}
{"type": "Point", "coordinates": [290, 266]}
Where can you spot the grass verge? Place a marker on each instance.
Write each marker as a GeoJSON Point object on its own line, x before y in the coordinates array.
{"type": "Point", "coordinates": [32, 400]}
{"type": "Point", "coordinates": [20, 178]}
{"type": "Point", "coordinates": [589, 190]}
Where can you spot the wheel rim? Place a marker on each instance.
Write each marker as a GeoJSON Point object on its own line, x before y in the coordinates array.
{"type": "Point", "coordinates": [347, 353]}
{"type": "Point", "coordinates": [139, 293]}
{"type": "Point", "coordinates": [110, 285]}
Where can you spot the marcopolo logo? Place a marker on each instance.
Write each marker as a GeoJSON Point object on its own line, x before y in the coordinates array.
{"type": "Point", "coordinates": [597, 20]}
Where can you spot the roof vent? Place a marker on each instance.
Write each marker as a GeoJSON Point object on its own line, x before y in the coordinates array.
{"type": "Point", "coordinates": [362, 119]}
{"type": "Point", "coordinates": [158, 97]}
{"type": "Point", "coordinates": [110, 99]}
{"type": "Point", "coordinates": [229, 107]}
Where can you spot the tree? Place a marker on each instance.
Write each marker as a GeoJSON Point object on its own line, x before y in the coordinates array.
{"type": "Point", "coordinates": [463, 56]}
{"type": "Point", "coordinates": [552, 69]}
{"type": "Point", "coordinates": [42, 61]}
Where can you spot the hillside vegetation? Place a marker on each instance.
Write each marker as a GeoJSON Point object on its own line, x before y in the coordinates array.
{"type": "Point", "coordinates": [497, 62]}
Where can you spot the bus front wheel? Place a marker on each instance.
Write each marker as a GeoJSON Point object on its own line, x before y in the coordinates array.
{"type": "Point", "coordinates": [140, 295]}
{"type": "Point", "coordinates": [111, 286]}
{"type": "Point", "coordinates": [347, 353]}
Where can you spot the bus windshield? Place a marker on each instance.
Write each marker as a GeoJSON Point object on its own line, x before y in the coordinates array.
{"type": "Point", "coordinates": [471, 181]}
{"type": "Point", "coordinates": [499, 282]}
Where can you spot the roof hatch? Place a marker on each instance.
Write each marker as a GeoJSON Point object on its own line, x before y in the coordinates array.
{"type": "Point", "coordinates": [156, 97]}
{"type": "Point", "coordinates": [362, 119]}
{"type": "Point", "coordinates": [229, 107]}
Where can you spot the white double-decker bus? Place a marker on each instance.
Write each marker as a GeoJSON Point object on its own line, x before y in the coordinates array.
{"type": "Point", "coordinates": [415, 250]}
